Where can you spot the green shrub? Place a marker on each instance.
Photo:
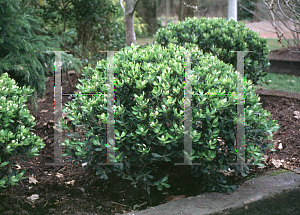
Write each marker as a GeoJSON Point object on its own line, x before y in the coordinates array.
{"type": "Point", "coordinates": [15, 137]}
{"type": "Point", "coordinates": [220, 36]}
{"type": "Point", "coordinates": [149, 114]}
{"type": "Point", "coordinates": [243, 14]}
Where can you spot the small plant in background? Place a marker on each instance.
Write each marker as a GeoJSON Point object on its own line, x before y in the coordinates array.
{"type": "Point", "coordinates": [86, 27]}
{"type": "Point", "coordinates": [244, 14]}
{"type": "Point", "coordinates": [220, 37]}
{"type": "Point", "coordinates": [15, 136]}
{"type": "Point", "coordinates": [148, 113]}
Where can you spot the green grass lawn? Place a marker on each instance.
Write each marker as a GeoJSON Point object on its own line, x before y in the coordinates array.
{"type": "Point", "coordinates": [282, 82]}
{"type": "Point", "coordinates": [273, 44]}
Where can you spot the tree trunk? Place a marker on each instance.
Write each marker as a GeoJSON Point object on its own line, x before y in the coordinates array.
{"type": "Point", "coordinates": [180, 18]}
{"type": "Point", "coordinates": [171, 4]}
{"type": "Point", "coordinates": [129, 27]}
{"type": "Point", "coordinates": [147, 10]}
{"type": "Point", "coordinates": [167, 11]}
{"type": "Point", "coordinates": [67, 72]}
{"type": "Point", "coordinates": [129, 22]}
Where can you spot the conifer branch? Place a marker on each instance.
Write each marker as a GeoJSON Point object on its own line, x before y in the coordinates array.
{"type": "Point", "coordinates": [8, 24]}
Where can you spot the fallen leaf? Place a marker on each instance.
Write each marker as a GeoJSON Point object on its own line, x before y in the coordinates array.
{"type": "Point", "coordinates": [277, 163]}
{"type": "Point", "coordinates": [41, 100]}
{"type": "Point", "coordinates": [33, 197]}
{"type": "Point", "coordinates": [70, 182]}
{"type": "Point", "coordinates": [32, 180]}
{"type": "Point", "coordinates": [297, 114]}
{"type": "Point", "coordinates": [59, 175]}
{"type": "Point", "coordinates": [174, 198]}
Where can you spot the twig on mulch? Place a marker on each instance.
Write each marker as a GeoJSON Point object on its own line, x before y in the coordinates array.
{"type": "Point", "coordinates": [279, 93]}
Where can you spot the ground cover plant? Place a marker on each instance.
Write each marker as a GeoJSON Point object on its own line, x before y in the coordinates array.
{"type": "Point", "coordinates": [16, 139]}
{"type": "Point", "coordinates": [149, 95]}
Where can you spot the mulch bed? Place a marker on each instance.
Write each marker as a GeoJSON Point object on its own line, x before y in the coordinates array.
{"type": "Point", "coordinates": [284, 54]}
{"type": "Point", "coordinates": [92, 195]}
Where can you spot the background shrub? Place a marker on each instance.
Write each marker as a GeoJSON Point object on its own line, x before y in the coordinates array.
{"type": "Point", "coordinates": [243, 14]}
{"type": "Point", "coordinates": [15, 137]}
{"type": "Point", "coordinates": [149, 114]}
{"type": "Point", "coordinates": [220, 36]}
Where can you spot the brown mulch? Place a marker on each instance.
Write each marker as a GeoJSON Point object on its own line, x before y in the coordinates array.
{"type": "Point", "coordinates": [92, 195]}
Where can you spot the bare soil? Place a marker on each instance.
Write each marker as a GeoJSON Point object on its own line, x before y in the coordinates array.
{"type": "Point", "coordinates": [266, 29]}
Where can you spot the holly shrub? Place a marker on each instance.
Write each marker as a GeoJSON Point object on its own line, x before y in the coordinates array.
{"type": "Point", "coordinates": [220, 36]}
{"type": "Point", "coordinates": [15, 137]}
{"type": "Point", "coordinates": [149, 117]}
